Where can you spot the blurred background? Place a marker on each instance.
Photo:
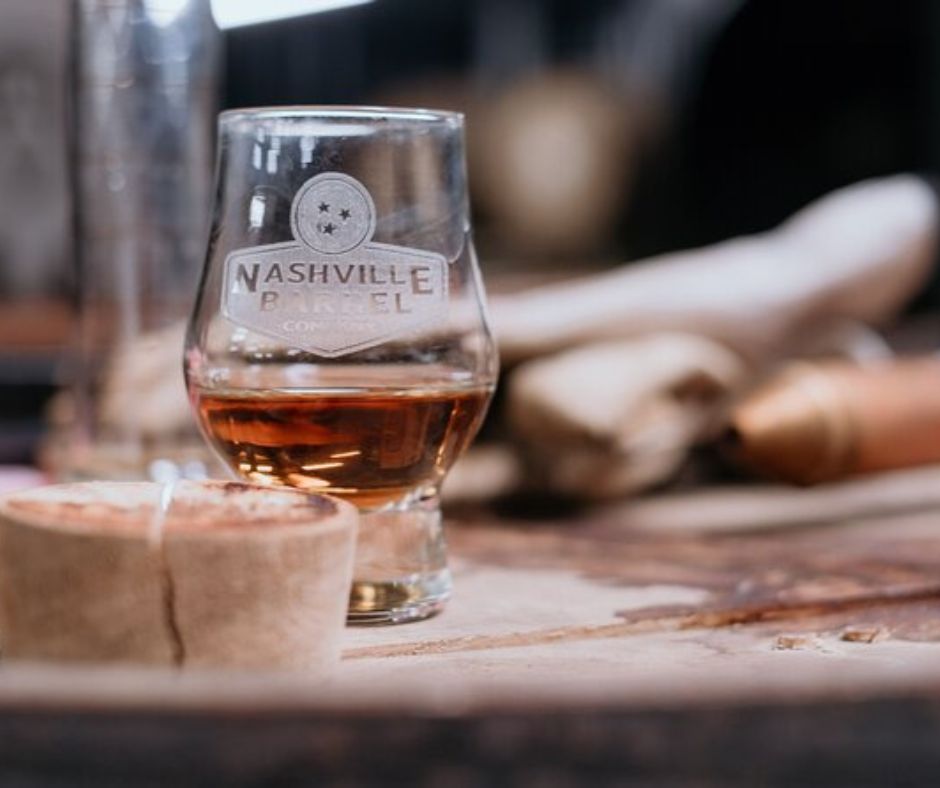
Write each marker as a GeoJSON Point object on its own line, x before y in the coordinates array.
{"type": "Point", "coordinates": [599, 132]}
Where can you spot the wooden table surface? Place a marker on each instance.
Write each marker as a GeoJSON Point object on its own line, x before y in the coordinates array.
{"type": "Point", "coordinates": [749, 636]}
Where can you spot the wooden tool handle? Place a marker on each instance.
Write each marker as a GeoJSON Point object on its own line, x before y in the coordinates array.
{"type": "Point", "coordinates": [856, 254]}
{"type": "Point", "coordinates": [817, 422]}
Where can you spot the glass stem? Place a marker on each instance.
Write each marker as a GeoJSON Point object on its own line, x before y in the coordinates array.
{"type": "Point", "coordinates": [401, 565]}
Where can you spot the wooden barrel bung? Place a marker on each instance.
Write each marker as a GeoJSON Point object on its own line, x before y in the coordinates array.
{"type": "Point", "coordinates": [204, 574]}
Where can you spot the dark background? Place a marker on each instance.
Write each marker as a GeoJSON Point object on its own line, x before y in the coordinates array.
{"type": "Point", "coordinates": [786, 100]}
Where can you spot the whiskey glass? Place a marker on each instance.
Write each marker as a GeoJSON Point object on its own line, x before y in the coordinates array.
{"type": "Point", "coordinates": [339, 342]}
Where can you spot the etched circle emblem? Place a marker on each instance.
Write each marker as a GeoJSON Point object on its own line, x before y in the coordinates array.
{"type": "Point", "coordinates": [333, 213]}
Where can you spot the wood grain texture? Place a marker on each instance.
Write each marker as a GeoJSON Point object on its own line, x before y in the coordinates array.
{"type": "Point", "coordinates": [594, 649]}
{"type": "Point", "coordinates": [660, 583]}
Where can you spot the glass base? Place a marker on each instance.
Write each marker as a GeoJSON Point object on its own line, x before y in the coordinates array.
{"type": "Point", "coordinates": [398, 602]}
{"type": "Point", "coordinates": [401, 564]}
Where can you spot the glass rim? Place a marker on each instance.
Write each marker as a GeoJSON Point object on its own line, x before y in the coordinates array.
{"type": "Point", "coordinates": [341, 112]}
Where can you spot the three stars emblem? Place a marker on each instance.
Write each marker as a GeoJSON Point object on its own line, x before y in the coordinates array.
{"type": "Point", "coordinates": [329, 228]}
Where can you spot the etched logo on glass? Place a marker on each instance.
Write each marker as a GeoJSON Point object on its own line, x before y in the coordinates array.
{"type": "Point", "coordinates": [333, 290]}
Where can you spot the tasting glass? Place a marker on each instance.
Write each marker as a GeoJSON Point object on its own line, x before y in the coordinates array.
{"type": "Point", "coordinates": [339, 343]}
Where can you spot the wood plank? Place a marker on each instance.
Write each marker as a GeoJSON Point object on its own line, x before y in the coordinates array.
{"type": "Point", "coordinates": [593, 610]}
{"type": "Point", "coordinates": [597, 649]}
{"type": "Point", "coordinates": [543, 582]}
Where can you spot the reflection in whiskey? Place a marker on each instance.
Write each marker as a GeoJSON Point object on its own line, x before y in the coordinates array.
{"type": "Point", "coordinates": [370, 446]}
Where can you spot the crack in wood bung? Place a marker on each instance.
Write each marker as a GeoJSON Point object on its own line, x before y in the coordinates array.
{"type": "Point", "coordinates": [156, 538]}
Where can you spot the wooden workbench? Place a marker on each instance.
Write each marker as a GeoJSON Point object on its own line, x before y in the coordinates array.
{"type": "Point", "coordinates": [744, 636]}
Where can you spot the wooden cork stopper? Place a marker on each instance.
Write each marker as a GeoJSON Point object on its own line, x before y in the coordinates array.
{"type": "Point", "coordinates": [200, 574]}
